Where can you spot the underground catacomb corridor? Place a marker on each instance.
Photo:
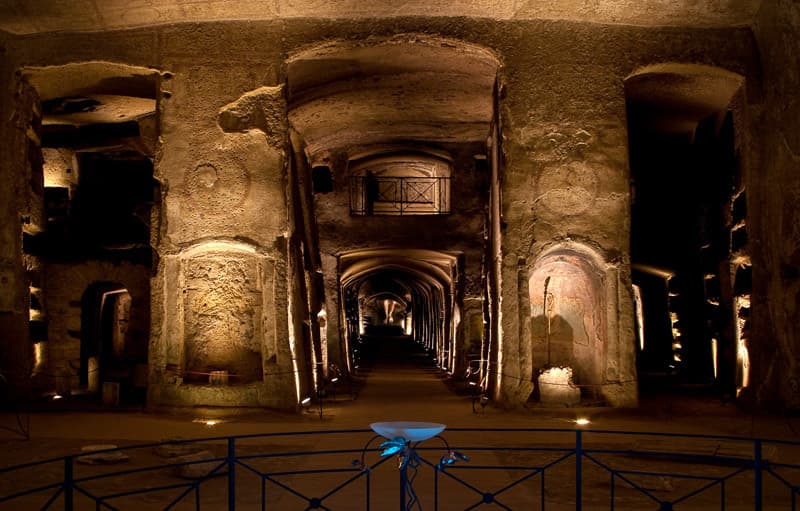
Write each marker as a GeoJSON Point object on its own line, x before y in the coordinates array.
{"type": "Point", "coordinates": [559, 204]}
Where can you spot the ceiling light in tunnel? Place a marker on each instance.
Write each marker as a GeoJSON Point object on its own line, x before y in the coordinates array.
{"type": "Point", "coordinates": [582, 421]}
{"type": "Point", "coordinates": [306, 402]}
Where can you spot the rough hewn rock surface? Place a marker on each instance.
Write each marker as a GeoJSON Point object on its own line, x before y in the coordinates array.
{"type": "Point", "coordinates": [776, 229]}
{"type": "Point", "coordinates": [230, 257]}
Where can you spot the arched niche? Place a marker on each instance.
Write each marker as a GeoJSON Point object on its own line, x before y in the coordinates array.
{"type": "Point", "coordinates": [223, 305]}
{"type": "Point", "coordinates": [568, 308]}
{"type": "Point", "coordinates": [106, 346]}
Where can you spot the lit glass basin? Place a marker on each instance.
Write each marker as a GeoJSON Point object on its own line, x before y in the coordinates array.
{"type": "Point", "coordinates": [409, 430]}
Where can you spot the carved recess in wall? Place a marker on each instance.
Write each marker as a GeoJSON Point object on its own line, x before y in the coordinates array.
{"type": "Point", "coordinates": [567, 307]}
{"type": "Point", "coordinates": [222, 317]}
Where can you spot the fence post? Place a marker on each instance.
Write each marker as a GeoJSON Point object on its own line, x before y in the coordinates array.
{"type": "Point", "coordinates": [578, 471]}
{"type": "Point", "coordinates": [68, 484]}
{"type": "Point", "coordinates": [757, 466]}
{"type": "Point", "coordinates": [403, 482]}
{"type": "Point", "coordinates": [231, 474]}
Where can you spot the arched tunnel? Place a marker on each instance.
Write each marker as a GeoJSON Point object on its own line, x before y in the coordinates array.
{"type": "Point", "coordinates": [391, 160]}
{"type": "Point", "coordinates": [395, 295]}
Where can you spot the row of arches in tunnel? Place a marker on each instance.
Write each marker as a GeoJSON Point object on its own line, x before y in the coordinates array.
{"type": "Point", "coordinates": [390, 292]}
{"type": "Point", "coordinates": [687, 231]}
{"type": "Point", "coordinates": [689, 251]}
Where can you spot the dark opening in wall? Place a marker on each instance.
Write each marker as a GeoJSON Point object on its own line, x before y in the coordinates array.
{"type": "Point", "coordinates": [322, 179]}
{"type": "Point", "coordinates": [743, 281]}
{"type": "Point", "coordinates": [92, 135]}
{"type": "Point", "coordinates": [738, 239]}
{"type": "Point", "coordinates": [684, 164]}
{"type": "Point", "coordinates": [107, 351]}
{"type": "Point", "coordinates": [739, 210]}
{"type": "Point", "coordinates": [56, 204]}
{"type": "Point", "coordinates": [113, 200]}
{"type": "Point", "coordinates": [38, 330]}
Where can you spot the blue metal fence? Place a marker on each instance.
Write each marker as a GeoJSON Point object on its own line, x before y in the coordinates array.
{"type": "Point", "coordinates": [511, 468]}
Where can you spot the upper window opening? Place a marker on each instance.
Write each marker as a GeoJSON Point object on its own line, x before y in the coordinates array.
{"type": "Point", "coordinates": [397, 185]}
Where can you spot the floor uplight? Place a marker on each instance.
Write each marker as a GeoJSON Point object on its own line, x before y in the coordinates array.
{"type": "Point", "coordinates": [208, 422]}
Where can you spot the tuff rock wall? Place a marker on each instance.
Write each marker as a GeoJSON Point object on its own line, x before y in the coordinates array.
{"type": "Point", "coordinates": [775, 216]}
{"type": "Point", "coordinates": [222, 164]}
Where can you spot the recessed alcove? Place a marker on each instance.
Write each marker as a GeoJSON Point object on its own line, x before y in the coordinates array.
{"type": "Point", "coordinates": [567, 323]}
{"type": "Point", "coordinates": [222, 306]}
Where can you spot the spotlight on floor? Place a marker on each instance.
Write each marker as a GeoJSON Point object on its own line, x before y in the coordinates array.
{"type": "Point", "coordinates": [582, 421]}
{"type": "Point", "coordinates": [208, 422]}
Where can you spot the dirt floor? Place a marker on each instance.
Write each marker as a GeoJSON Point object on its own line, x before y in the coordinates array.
{"type": "Point", "coordinates": [395, 389]}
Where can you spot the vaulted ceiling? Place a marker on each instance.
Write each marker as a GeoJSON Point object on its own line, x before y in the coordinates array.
{"type": "Point", "coordinates": [40, 16]}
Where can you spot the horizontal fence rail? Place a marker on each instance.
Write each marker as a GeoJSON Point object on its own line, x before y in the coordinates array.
{"type": "Point", "coordinates": [511, 468]}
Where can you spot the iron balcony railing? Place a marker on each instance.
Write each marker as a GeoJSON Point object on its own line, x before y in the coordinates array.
{"type": "Point", "coordinates": [383, 195]}
{"type": "Point", "coordinates": [522, 469]}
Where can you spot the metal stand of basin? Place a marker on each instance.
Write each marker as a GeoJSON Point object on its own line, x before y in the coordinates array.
{"type": "Point", "coordinates": [399, 437]}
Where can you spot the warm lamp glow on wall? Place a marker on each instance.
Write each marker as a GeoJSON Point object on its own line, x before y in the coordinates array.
{"type": "Point", "coordinates": [639, 310]}
{"type": "Point", "coordinates": [741, 305]}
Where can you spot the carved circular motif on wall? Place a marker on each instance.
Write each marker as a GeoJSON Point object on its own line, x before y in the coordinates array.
{"type": "Point", "coordinates": [206, 175]}
{"type": "Point", "coordinates": [217, 187]}
{"type": "Point", "coordinates": [568, 189]}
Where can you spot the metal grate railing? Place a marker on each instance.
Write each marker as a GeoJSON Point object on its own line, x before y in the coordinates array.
{"type": "Point", "coordinates": [530, 469]}
{"type": "Point", "coordinates": [398, 196]}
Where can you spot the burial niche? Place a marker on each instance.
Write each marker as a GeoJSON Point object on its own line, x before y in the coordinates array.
{"type": "Point", "coordinates": [567, 327]}
{"type": "Point", "coordinates": [222, 307]}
